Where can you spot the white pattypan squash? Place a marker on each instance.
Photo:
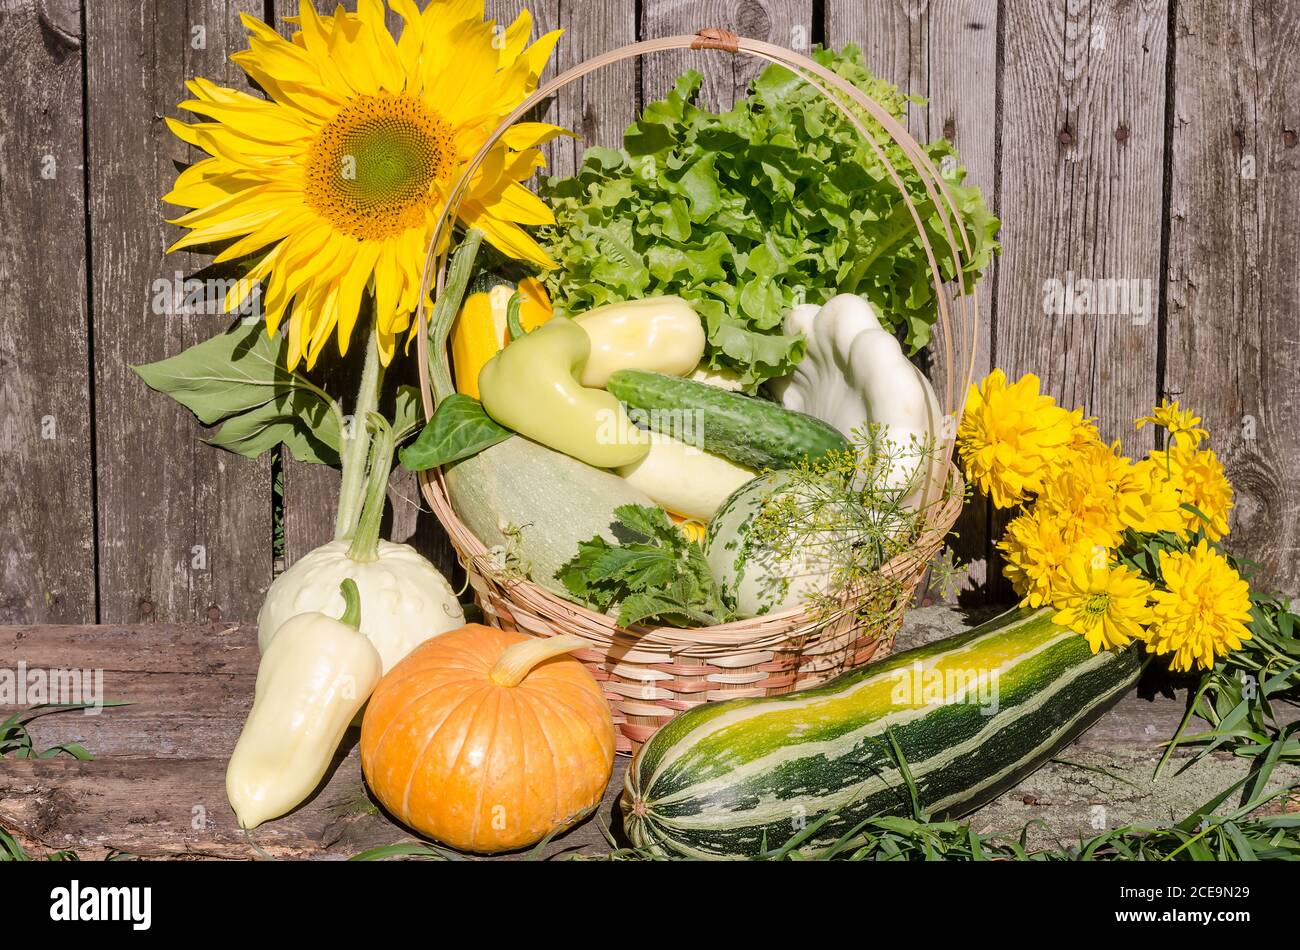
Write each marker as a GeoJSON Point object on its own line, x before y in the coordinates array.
{"type": "Point", "coordinates": [404, 599]}
{"type": "Point", "coordinates": [855, 375]}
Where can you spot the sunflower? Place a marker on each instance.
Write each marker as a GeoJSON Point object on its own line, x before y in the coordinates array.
{"type": "Point", "coordinates": [1010, 435]}
{"type": "Point", "coordinates": [1105, 603]}
{"type": "Point", "coordinates": [333, 183]}
{"type": "Point", "coordinates": [1204, 612]}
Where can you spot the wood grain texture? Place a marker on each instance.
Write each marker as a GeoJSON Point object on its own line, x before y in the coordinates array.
{"type": "Point", "coordinates": [1233, 338]}
{"type": "Point", "coordinates": [156, 785]}
{"type": "Point", "coordinates": [784, 22]}
{"type": "Point", "coordinates": [945, 51]}
{"type": "Point", "coordinates": [184, 529]}
{"type": "Point", "coordinates": [599, 106]}
{"type": "Point", "coordinates": [1082, 124]}
{"type": "Point", "coordinates": [46, 500]}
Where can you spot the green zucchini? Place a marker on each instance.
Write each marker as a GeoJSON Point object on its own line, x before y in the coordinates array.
{"type": "Point", "coordinates": [753, 432]}
{"type": "Point", "coordinates": [730, 779]}
{"type": "Point", "coordinates": [537, 504]}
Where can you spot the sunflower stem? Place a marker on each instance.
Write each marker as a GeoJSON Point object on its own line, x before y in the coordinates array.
{"type": "Point", "coordinates": [365, 540]}
{"type": "Point", "coordinates": [445, 310]}
{"type": "Point", "coordinates": [352, 490]}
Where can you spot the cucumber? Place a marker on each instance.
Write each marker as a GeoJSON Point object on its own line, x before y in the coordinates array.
{"type": "Point", "coordinates": [753, 432]}
{"type": "Point", "coordinates": [729, 779]}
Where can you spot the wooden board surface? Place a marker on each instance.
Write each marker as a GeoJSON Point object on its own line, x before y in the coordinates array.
{"type": "Point", "coordinates": [1082, 148]}
{"type": "Point", "coordinates": [1233, 346]}
{"type": "Point", "coordinates": [156, 785]}
{"type": "Point", "coordinates": [46, 496]}
{"type": "Point", "coordinates": [183, 530]}
{"type": "Point", "coordinates": [784, 22]}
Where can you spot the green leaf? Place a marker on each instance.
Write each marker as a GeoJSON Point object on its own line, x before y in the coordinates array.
{"type": "Point", "coordinates": [238, 378]}
{"type": "Point", "coordinates": [656, 574]}
{"type": "Point", "coordinates": [459, 428]}
{"type": "Point", "coordinates": [408, 412]}
{"type": "Point", "coordinates": [748, 212]}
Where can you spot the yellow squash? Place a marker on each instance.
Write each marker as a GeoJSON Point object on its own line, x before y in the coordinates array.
{"type": "Point", "coordinates": [480, 328]}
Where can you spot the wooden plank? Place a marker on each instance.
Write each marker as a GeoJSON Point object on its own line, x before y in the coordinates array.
{"type": "Point", "coordinates": [156, 786]}
{"type": "Point", "coordinates": [785, 22]}
{"type": "Point", "coordinates": [1082, 126]}
{"type": "Point", "coordinates": [1233, 335]}
{"type": "Point", "coordinates": [945, 51]}
{"type": "Point", "coordinates": [184, 529]}
{"type": "Point", "coordinates": [46, 494]}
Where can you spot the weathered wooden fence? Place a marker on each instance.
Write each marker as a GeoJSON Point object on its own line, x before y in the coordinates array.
{"type": "Point", "coordinates": [1147, 143]}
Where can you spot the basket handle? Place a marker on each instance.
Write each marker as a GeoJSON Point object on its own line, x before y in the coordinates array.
{"type": "Point", "coordinates": [844, 96]}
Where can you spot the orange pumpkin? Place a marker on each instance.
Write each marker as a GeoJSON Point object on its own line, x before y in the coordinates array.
{"type": "Point", "coordinates": [488, 740]}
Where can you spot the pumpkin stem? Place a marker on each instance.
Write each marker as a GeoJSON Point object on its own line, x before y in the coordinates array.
{"type": "Point", "coordinates": [518, 660]}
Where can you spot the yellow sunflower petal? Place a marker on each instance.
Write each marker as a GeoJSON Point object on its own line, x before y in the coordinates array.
{"type": "Point", "coordinates": [351, 287]}
{"type": "Point", "coordinates": [504, 236]}
{"type": "Point", "coordinates": [387, 61]}
{"type": "Point", "coordinates": [515, 38]}
{"type": "Point", "coordinates": [521, 206]}
{"type": "Point", "coordinates": [316, 43]}
{"type": "Point", "coordinates": [524, 135]}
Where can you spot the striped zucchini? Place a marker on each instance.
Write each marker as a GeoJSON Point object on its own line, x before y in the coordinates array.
{"type": "Point", "coordinates": [972, 715]}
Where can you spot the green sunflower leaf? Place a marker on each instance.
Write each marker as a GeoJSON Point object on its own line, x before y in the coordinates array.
{"type": "Point", "coordinates": [238, 379]}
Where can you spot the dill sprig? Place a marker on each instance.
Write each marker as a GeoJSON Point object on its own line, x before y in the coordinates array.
{"type": "Point", "coordinates": [837, 519]}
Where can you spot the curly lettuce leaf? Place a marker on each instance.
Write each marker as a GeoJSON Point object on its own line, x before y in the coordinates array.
{"type": "Point", "coordinates": [750, 212]}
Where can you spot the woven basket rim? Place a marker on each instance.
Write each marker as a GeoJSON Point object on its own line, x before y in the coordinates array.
{"type": "Point", "coordinates": [938, 516]}
{"type": "Point", "coordinates": [473, 554]}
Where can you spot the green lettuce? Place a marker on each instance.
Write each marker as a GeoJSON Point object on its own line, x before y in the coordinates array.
{"type": "Point", "coordinates": [748, 213]}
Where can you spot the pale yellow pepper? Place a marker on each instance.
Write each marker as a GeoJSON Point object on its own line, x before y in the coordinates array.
{"type": "Point", "coordinates": [313, 679]}
{"type": "Point", "coordinates": [532, 387]}
{"type": "Point", "coordinates": [656, 334]}
{"type": "Point", "coordinates": [480, 329]}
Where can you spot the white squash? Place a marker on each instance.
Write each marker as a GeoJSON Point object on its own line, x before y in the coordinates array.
{"type": "Point", "coordinates": [855, 375]}
{"type": "Point", "coordinates": [405, 600]}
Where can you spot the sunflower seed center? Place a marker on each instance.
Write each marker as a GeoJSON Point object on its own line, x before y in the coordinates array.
{"type": "Point", "coordinates": [372, 170]}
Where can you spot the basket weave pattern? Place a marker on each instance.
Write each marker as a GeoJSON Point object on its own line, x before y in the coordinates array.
{"type": "Point", "coordinates": [650, 674]}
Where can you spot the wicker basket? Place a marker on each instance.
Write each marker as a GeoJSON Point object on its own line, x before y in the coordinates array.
{"type": "Point", "coordinates": [651, 674]}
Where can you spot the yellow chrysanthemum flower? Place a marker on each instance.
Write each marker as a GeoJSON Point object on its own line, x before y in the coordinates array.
{"type": "Point", "coordinates": [1084, 493]}
{"type": "Point", "coordinates": [335, 180]}
{"type": "Point", "coordinates": [1198, 478]}
{"type": "Point", "coordinates": [1182, 424]}
{"type": "Point", "coordinates": [1009, 435]}
{"type": "Point", "coordinates": [1106, 604]}
{"type": "Point", "coordinates": [1148, 502]}
{"type": "Point", "coordinates": [1037, 544]}
{"type": "Point", "coordinates": [1204, 612]}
